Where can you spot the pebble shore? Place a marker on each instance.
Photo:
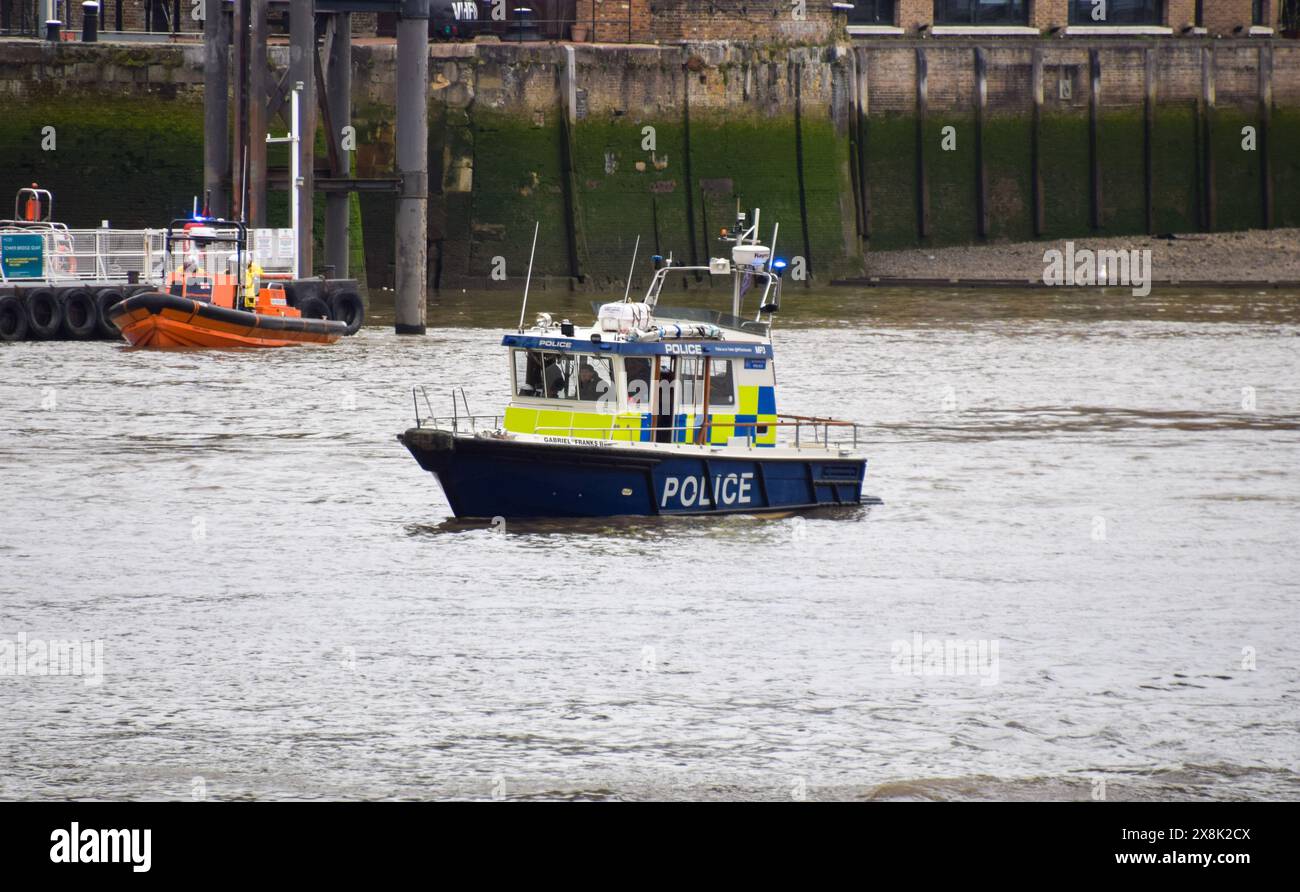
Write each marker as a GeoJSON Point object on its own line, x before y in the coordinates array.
{"type": "Point", "coordinates": [1223, 257]}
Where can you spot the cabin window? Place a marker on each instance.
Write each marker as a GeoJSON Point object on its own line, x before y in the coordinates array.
{"type": "Point", "coordinates": [528, 372]}
{"type": "Point", "coordinates": [691, 378]}
{"type": "Point", "coordinates": [722, 383]}
{"type": "Point", "coordinates": [638, 380]}
{"type": "Point", "coordinates": [580, 377]}
{"type": "Point", "coordinates": [542, 374]}
{"type": "Point", "coordinates": [590, 378]}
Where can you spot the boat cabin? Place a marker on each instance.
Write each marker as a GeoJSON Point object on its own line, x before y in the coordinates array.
{"type": "Point", "coordinates": [649, 374]}
{"type": "Point", "coordinates": [206, 259]}
{"type": "Point", "coordinates": [704, 392]}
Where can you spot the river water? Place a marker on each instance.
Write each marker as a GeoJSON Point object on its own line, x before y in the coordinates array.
{"type": "Point", "coordinates": [1100, 491]}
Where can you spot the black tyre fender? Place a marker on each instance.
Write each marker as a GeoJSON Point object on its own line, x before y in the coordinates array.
{"type": "Point", "coordinates": [79, 313]}
{"type": "Point", "coordinates": [105, 299]}
{"type": "Point", "coordinates": [44, 314]}
{"type": "Point", "coordinates": [347, 307]}
{"type": "Point", "coordinates": [313, 307]}
{"type": "Point", "coordinates": [13, 318]}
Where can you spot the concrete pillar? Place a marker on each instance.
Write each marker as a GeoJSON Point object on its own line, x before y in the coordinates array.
{"type": "Point", "coordinates": [338, 80]}
{"type": "Point", "coordinates": [412, 223]}
{"type": "Point", "coordinates": [257, 30]}
{"type": "Point", "coordinates": [216, 107]}
{"type": "Point", "coordinates": [302, 69]}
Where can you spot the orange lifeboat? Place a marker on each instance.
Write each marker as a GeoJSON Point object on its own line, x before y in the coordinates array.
{"type": "Point", "coordinates": [207, 306]}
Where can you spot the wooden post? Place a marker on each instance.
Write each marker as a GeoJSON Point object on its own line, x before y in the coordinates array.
{"type": "Point", "coordinates": [568, 154]}
{"type": "Point", "coordinates": [864, 133]}
{"type": "Point", "coordinates": [862, 188]}
{"type": "Point", "coordinates": [1207, 138]}
{"type": "Point", "coordinates": [1265, 130]}
{"type": "Point", "coordinates": [922, 106]}
{"type": "Point", "coordinates": [686, 168]}
{"type": "Point", "coordinates": [981, 167]}
{"type": "Point", "coordinates": [1094, 141]}
{"type": "Point", "coordinates": [1036, 144]}
{"type": "Point", "coordinates": [798, 159]}
{"type": "Point", "coordinates": [1148, 140]}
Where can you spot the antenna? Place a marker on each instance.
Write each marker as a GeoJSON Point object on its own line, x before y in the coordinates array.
{"type": "Point", "coordinates": [776, 227]}
{"type": "Point", "coordinates": [523, 309]}
{"type": "Point", "coordinates": [627, 292]}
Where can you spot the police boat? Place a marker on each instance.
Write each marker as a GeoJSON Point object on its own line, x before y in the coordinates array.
{"type": "Point", "coordinates": [650, 411]}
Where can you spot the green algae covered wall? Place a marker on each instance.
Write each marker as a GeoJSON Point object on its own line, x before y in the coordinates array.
{"type": "Point", "coordinates": [1284, 137]}
{"type": "Point", "coordinates": [662, 142]}
{"type": "Point", "coordinates": [661, 146]}
{"type": "Point", "coordinates": [1008, 150]}
{"type": "Point", "coordinates": [1097, 131]}
{"type": "Point", "coordinates": [126, 159]}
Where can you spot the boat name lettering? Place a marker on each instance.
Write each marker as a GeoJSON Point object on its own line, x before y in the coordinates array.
{"type": "Point", "coordinates": [727, 489]}
{"type": "Point", "coordinates": [694, 349]}
{"type": "Point", "coordinates": [577, 441]}
{"type": "Point", "coordinates": [561, 344]}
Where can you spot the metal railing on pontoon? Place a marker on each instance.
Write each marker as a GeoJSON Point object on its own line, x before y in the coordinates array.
{"type": "Point", "coordinates": [79, 256]}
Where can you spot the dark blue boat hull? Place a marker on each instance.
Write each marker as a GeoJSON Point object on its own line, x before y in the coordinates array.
{"type": "Point", "coordinates": [489, 477]}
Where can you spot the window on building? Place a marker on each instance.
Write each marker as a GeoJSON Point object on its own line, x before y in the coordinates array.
{"type": "Point", "coordinates": [1289, 19]}
{"type": "Point", "coordinates": [1117, 12]}
{"type": "Point", "coordinates": [1257, 13]}
{"type": "Point", "coordinates": [722, 383]}
{"type": "Point", "coordinates": [872, 12]}
{"type": "Point", "coordinates": [981, 12]}
{"type": "Point", "coordinates": [1200, 13]}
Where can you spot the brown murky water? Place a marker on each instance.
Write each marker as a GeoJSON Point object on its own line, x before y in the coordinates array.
{"type": "Point", "coordinates": [1103, 490]}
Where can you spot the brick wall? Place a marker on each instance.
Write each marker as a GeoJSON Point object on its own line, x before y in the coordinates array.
{"type": "Point", "coordinates": [745, 20]}
{"type": "Point", "coordinates": [912, 14]}
{"type": "Point", "coordinates": [1045, 14]}
{"type": "Point", "coordinates": [1224, 17]}
{"type": "Point", "coordinates": [614, 21]}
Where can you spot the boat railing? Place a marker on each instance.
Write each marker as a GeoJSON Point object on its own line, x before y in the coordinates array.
{"type": "Point", "coordinates": [457, 422]}
{"type": "Point", "coordinates": [809, 432]}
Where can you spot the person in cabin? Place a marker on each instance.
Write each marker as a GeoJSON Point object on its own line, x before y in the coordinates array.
{"type": "Point", "coordinates": [590, 387]}
{"type": "Point", "coordinates": [555, 382]}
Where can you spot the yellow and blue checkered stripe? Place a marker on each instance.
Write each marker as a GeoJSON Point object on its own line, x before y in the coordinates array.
{"type": "Point", "coordinates": [755, 421]}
